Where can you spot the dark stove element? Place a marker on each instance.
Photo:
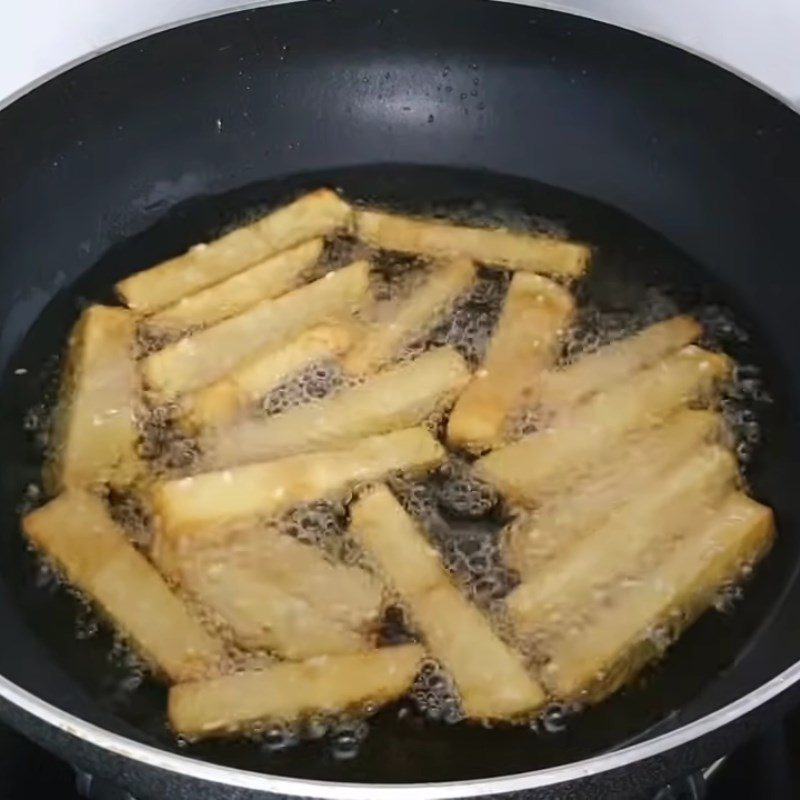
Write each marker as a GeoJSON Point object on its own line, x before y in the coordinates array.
{"type": "Point", "coordinates": [767, 767]}
{"type": "Point", "coordinates": [693, 787]}
{"type": "Point", "coordinates": [93, 788]}
{"type": "Point", "coordinates": [28, 773]}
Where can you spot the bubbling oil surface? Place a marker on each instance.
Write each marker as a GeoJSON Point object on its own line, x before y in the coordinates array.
{"type": "Point", "coordinates": [462, 516]}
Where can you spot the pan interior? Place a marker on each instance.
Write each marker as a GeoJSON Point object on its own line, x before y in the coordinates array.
{"type": "Point", "coordinates": [401, 746]}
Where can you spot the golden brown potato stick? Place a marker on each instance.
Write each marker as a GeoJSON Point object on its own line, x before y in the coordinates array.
{"type": "Point", "coordinates": [398, 397]}
{"type": "Point", "coordinates": [95, 433]}
{"type": "Point", "coordinates": [205, 357]}
{"type": "Point", "coordinates": [541, 463]}
{"type": "Point", "coordinates": [76, 531]}
{"type": "Point", "coordinates": [316, 214]}
{"type": "Point", "coordinates": [582, 508]}
{"type": "Point", "coordinates": [187, 507]}
{"type": "Point", "coordinates": [490, 677]}
{"type": "Point", "coordinates": [267, 279]}
{"type": "Point", "coordinates": [287, 692]}
{"type": "Point", "coordinates": [221, 402]}
{"type": "Point", "coordinates": [500, 247]}
{"type": "Point", "coordinates": [616, 362]}
{"type": "Point", "coordinates": [535, 313]}
{"type": "Point", "coordinates": [621, 638]}
{"type": "Point", "coordinates": [620, 549]}
{"type": "Point", "coordinates": [263, 612]}
{"type": "Point", "coordinates": [413, 317]}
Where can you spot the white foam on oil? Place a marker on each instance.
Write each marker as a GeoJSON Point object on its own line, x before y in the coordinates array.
{"type": "Point", "coordinates": [312, 383]}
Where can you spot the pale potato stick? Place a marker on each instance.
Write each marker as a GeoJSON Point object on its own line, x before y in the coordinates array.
{"type": "Point", "coordinates": [541, 463]}
{"type": "Point", "coordinates": [615, 362]}
{"type": "Point", "coordinates": [189, 505]}
{"type": "Point", "coordinates": [491, 679]}
{"type": "Point", "coordinates": [398, 397]}
{"type": "Point", "coordinates": [564, 519]}
{"type": "Point", "coordinates": [259, 613]}
{"type": "Point", "coordinates": [620, 548]}
{"type": "Point", "coordinates": [267, 279]}
{"type": "Point", "coordinates": [201, 359]}
{"type": "Point", "coordinates": [410, 564]}
{"type": "Point", "coordinates": [345, 593]}
{"type": "Point", "coordinates": [500, 247]}
{"type": "Point", "coordinates": [287, 692]}
{"type": "Point", "coordinates": [76, 531]}
{"type": "Point", "coordinates": [219, 404]}
{"type": "Point", "coordinates": [535, 312]}
{"type": "Point", "coordinates": [316, 214]}
{"type": "Point", "coordinates": [620, 640]}
{"type": "Point", "coordinates": [413, 317]}
{"type": "Point", "coordinates": [95, 433]}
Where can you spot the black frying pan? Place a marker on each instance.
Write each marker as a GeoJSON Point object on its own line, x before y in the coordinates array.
{"type": "Point", "coordinates": [678, 171]}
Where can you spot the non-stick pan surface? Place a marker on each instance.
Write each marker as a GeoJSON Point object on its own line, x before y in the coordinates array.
{"type": "Point", "coordinates": [678, 172]}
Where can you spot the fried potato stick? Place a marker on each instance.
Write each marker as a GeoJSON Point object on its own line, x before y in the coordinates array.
{"type": "Point", "coordinates": [523, 345]}
{"type": "Point", "coordinates": [290, 691]}
{"type": "Point", "coordinates": [342, 592]}
{"type": "Point", "coordinates": [491, 679]}
{"type": "Point", "coordinates": [568, 517]}
{"type": "Point", "coordinates": [541, 463]}
{"type": "Point", "coordinates": [277, 593]}
{"type": "Point", "coordinates": [95, 434]}
{"type": "Point", "coordinates": [220, 403]}
{"type": "Point", "coordinates": [267, 279]}
{"type": "Point", "coordinates": [598, 658]}
{"type": "Point", "coordinates": [76, 531]}
{"type": "Point", "coordinates": [616, 362]}
{"type": "Point", "coordinates": [316, 214]}
{"type": "Point", "coordinates": [413, 317]}
{"type": "Point", "coordinates": [620, 548]}
{"type": "Point", "coordinates": [398, 397]}
{"type": "Point", "coordinates": [202, 358]}
{"type": "Point", "coordinates": [199, 505]}
{"type": "Point", "coordinates": [494, 247]}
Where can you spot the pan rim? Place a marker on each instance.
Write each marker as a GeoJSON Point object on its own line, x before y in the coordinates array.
{"type": "Point", "coordinates": [560, 6]}
{"type": "Point", "coordinates": [338, 790]}
{"type": "Point", "coordinates": [333, 790]}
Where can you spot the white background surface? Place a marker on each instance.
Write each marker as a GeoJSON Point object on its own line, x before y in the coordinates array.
{"type": "Point", "coordinates": [759, 37]}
